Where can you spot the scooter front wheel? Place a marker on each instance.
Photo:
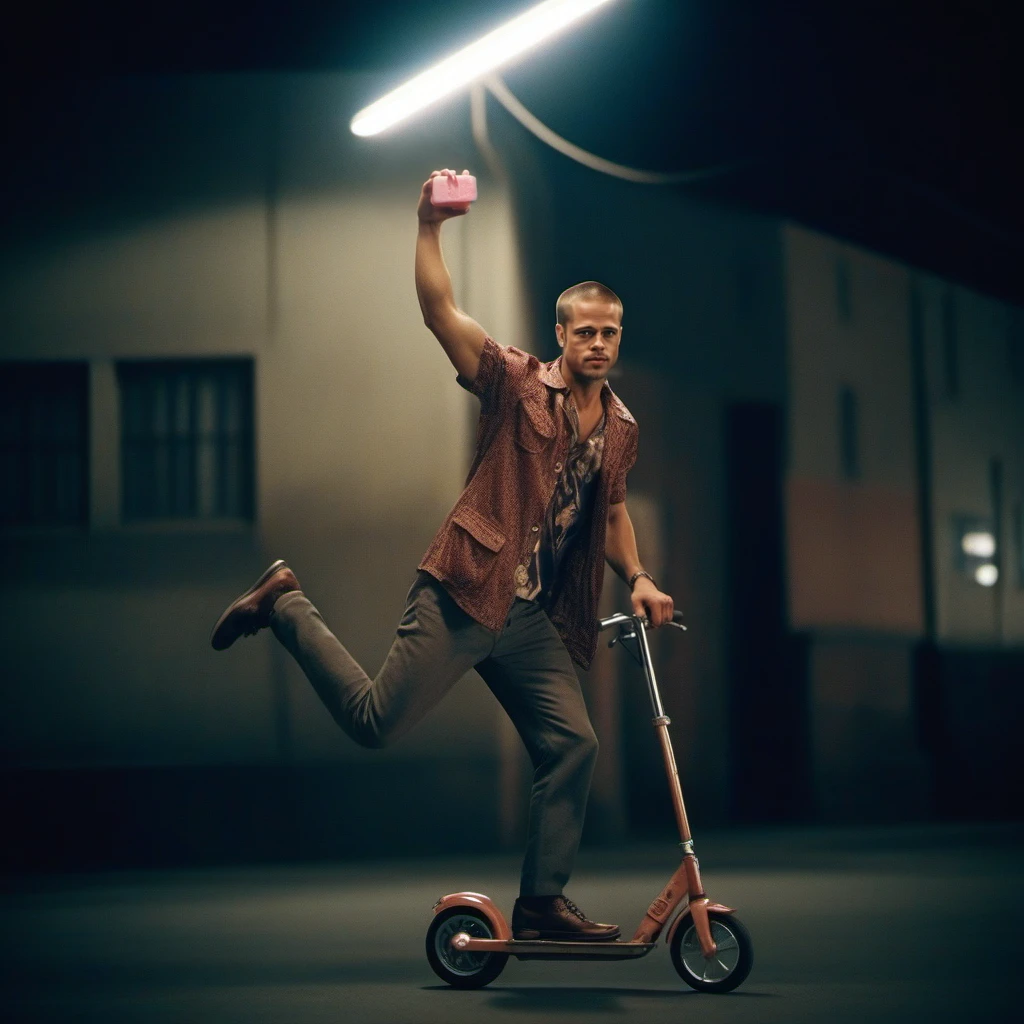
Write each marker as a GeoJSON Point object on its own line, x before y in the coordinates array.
{"type": "Point", "coordinates": [727, 969]}
{"type": "Point", "coordinates": [462, 968]}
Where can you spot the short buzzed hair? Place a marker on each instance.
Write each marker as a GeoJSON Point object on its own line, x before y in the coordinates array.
{"type": "Point", "coordinates": [584, 290]}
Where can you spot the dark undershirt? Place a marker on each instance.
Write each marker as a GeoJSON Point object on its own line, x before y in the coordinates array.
{"type": "Point", "coordinates": [569, 508]}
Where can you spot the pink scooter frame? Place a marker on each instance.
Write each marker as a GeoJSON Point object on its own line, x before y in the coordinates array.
{"type": "Point", "coordinates": [684, 887]}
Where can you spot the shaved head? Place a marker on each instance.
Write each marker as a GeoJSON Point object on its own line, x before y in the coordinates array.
{"type": "Point", "coordinates": [584, 291]}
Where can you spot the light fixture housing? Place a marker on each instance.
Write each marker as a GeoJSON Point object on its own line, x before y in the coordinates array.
{"type": "Point", "coordinates": [488, 53]}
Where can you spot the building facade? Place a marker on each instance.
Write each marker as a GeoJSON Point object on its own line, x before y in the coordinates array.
{"type": "Point", "coordinates": [213, 357]}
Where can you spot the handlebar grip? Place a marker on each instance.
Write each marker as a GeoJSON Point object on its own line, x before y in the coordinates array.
{"type": "Point", "coordinates": [619, 618]}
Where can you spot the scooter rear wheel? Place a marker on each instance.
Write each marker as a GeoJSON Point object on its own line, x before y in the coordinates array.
{"type": "Point", "coordinates": [462, 968]}
{"type": "Point", "coordinates": [727, 969]}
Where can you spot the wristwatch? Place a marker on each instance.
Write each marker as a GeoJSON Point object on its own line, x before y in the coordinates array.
{"type": "Point", "coordinates": [637, 575]}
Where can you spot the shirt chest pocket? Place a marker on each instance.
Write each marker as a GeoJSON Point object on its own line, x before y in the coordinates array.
{"type": "Point", "coordinates": [471, 548]}
{"type": "Point", "coordinates": [534, 427]}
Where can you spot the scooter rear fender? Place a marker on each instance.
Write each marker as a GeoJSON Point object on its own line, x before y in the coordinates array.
{"type": "Point", "coordinates": [478, 901]}
{"type": "Point", "coordinates": [684, 915]}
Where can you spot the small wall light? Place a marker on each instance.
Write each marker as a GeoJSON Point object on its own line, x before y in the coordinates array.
{"type": "Point", "coordinates": [978, 544]}
{"type": "Point", "coordinates": [975, 552]}
{"type": "Point", "coordinates": [987, 575]}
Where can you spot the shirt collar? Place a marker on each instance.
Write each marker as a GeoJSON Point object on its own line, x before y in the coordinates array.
{"type": "Point", "coordinates": [551, 375]}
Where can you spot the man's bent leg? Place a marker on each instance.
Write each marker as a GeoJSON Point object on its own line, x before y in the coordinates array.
{"type": "Point", "coordinates": [531, 674]}
{"type": "Point", "coordinates": [435, 645]}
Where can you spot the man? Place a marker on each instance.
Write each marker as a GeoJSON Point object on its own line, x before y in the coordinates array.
{"type": "Point", "coordinates": [510, 584]}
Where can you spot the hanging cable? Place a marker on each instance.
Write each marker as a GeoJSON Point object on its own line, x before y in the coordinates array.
{"type": "Point", "coordinates": [481, 135]}
{"type": "Point", "coordinates": [501, 93]}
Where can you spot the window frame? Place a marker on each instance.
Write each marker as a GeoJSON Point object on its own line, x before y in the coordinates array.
{"type": "Point", "coordinates": [188, 515]}
{"type": "Point", "coordinates": [72, 375]}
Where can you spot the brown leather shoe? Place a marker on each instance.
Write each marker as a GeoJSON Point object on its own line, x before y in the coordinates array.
{"type": "Point", "coordinates": [557, 918]}
{"type": "Point", "coordinates": [250, 613]}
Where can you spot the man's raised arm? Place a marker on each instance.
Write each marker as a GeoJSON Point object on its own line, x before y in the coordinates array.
{"type": "Point", "coordinates": [461, 337]}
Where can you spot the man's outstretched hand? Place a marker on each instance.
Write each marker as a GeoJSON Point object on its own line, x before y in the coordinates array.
{"type": "Point", "coordinates": [650, 601]}
{"type": "Point", "coordinates": [427, 212]}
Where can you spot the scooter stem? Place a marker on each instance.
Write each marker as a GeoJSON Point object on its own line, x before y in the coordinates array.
{"type": "Point", "coordinates": [697, 898]}
{"type": "Point", "coordinates": [661, 723]}
{"type": "Point", "coordinates": [640, 632]}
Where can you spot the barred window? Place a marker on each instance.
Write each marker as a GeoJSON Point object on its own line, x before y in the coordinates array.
{"type": "Point", "coordinates": [187, 439]}
{"type": "Point", "coordinates": [44, 444]}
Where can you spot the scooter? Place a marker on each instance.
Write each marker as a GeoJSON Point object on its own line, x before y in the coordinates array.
{"type": "Point", "coordinates": [469, 941]}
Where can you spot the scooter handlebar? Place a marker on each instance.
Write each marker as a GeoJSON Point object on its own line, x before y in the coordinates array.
{"type": "Point", "coordinates": [619, 618]}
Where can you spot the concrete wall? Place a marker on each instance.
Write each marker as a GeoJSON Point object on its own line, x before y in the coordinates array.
{"type": "Point", "coordinates": [867, 529]}
{"type": "Point", "coordinates": [854, 547]}
{"type": "Point", "coordinates": [857, 580]}
{"type": "Point", "coordinates": [853, 535]}
{"type": "Point", "coordinates": [977, 420]}
{"type": "Point", "coordinates": [238, 216]}
{"type": "Point", "coordinates": [703, 327]}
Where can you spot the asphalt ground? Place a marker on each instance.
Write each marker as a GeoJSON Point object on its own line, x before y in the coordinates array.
{"type": "Point", "coordinates": [920, 923]}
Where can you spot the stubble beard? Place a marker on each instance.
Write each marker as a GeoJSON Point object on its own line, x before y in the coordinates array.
{"type": "Point", "coordinates": [587, 373]}
{"type": "Point", "coordinates": [591, 377]}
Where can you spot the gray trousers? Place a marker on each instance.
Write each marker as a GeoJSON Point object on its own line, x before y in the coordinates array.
{"type": "Point", "coordinates": [526, 667]}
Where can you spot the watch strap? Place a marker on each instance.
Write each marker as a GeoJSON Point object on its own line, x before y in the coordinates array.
{"type": "Point", "coordinates": [637, 575]}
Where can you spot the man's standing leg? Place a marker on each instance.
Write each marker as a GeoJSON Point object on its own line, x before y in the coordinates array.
{"type": "Point", "coordinates": [532, 675]}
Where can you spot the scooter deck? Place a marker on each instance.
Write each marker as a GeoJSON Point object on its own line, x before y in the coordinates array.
{"type": "Point", "coordinates": [547, 949]}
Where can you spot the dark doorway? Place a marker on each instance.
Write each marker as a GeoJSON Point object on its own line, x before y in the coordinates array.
{"type": "Point", "coordinates": [768, 700]}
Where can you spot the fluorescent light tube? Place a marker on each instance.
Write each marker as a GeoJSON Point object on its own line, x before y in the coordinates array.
{"type": "Point", "coordinates": [487, 53]}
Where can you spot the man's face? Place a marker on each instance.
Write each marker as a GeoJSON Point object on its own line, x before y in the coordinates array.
{"type": "Point", "coordinates": [590, 339]}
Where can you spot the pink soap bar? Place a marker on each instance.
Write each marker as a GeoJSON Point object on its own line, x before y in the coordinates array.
{"type": "Point", "coordinates": [453, 190]}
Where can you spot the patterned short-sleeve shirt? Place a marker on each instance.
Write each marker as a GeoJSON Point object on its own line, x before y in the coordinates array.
{"type": "Point", "coordinates": [482, 552]}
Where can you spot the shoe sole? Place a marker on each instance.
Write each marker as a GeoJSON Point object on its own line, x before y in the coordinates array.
{"type": "Point", "coordinates": [279, 564]}
{"type": "Point", "coordinates": [532, 935]}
